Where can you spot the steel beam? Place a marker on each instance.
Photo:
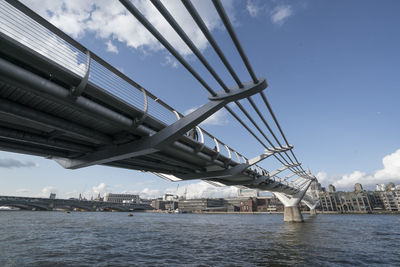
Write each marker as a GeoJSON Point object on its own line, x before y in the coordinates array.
{"type": "Point", "coordinates": [267, 153]}
{"type": "Point", "coordinates": [36, 139]}
{"type": "Point", "coordinates": [30, 150]}
{"type": "Point", "coordinates": [145, 145]}
{"type": "Point", "coordinates": [37, 85]}
{"type": "Point", "coordinates": [279, 170]}
{"type": "Point", "coordinates": [263, 178]}
{"type": "Point", "coordinates": [289, 176]}
{"type": "Point", "coordinates": [45, 88]}
{"type": "Point", "coordinates": [169, 140]}
{"type": "Point", "coordinates": [165, 137]}
{"type": "Point", "coordinates": [136, 167]}
{"type": "Point", "coordinates": [172, 161]}
{"type": "Point", "coordinates": [227, 173]}
{"type": "Point", "coordinates": [41, 118]}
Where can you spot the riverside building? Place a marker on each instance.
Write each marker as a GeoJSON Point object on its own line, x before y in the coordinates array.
{"type": "Point", "coordinates": [122, 198]}
{"type": "Point", "coordinates": [389, 196]}
{"type": "Point", "coordinates": [385, 198]}
{"type": "Point", "coordinates": [339, 201]}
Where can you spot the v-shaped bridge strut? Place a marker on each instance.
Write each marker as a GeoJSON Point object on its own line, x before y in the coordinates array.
{"type": "Point", "coordinates": [165, 137]}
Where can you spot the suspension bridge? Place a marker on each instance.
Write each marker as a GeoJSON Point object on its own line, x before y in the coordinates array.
{"type": "Point", "coordinates": [61, 101]}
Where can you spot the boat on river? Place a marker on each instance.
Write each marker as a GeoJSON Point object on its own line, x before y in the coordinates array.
{"type": "Point", "coordinates": [8, 208]}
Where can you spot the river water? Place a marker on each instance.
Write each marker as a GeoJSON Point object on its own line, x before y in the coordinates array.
{"type": "Point", "coordinates": [34, 238]}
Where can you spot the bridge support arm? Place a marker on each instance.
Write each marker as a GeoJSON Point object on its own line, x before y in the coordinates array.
{"type": "Point", "coordinates": [166, 136]}
{"type": "Point", "coordinates": [292, 211]}
{"type": "Point", "coordinates": [237, 170]}
{"type": "Point", "coordinates": [232, 172]}
{"type": "Point", "coordinates": [272, 174]}
{"type": "Point", "coordinates": [268, 153]}
{"type": "Point", "coordinates": [279, 170]}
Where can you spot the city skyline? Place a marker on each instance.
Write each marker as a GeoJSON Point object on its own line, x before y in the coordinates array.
{"type": "Point", "coordinates": [342, 75]}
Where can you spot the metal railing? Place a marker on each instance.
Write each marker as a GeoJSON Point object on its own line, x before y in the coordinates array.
{"type": "Point", "coordinates": [34, 32]}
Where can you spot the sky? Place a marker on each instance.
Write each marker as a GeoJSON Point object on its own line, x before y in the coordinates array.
{"type": "Point", "coordinates": [333, 69]}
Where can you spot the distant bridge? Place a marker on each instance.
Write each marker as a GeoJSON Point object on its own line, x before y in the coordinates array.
{"type": "Point", "coordinates": [61, 101]}
{"type": "Point", "coordinates": [31, 203]}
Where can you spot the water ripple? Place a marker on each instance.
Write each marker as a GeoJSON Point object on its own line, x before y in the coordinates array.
{"type": "Point", "coordinates": [114, 239]}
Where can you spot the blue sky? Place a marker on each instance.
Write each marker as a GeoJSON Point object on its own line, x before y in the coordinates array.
{"type": "Point", "coordinates": [333, 69]}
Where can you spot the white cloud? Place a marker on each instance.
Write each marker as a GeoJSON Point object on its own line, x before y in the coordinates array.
{"type": "Point", "coordinates": [389, 173]}
{"type": "Point", "coordinates": [111, 47]}
{"type": "Point", "coordinates": [100, 189]}
{"type": "Point", "coordinates": [200, 189]}
{"type": "Point", "coordinates": [348, 180]}
{"type": "Point", "coordinates": [71, 194]}
{"type": "Point", "coordinates": [146, 193]}
{"type": "Point", "coordinates": [323, 178]}
{"type": "Point", "coordinates": [9, 163]}
{"type": "Point", "coordinates": [43, 41]}
{"type": "Point", "coordinates": [253, 8]}
{"type": "Point", "coordinates": [391, 167]}
{"type": "Point", "coordinates": [170, 61]}
{"type": "Point", "coordinates": [218, 118]}
{"type": "Point", "coordinates": [46, 191]}
{"type": "Point", "coordinates": [109, 19]}
{"type": "Point", "coordinates": [70, 16]}
{"type": "Point", "coordinates": [204, 190]}
{"type": "Point", "coordinates": [150, 193]}
{"type": "Point", "coordinates": [280, 14]}
{"type": "Point", "coordinates": [22, 191]}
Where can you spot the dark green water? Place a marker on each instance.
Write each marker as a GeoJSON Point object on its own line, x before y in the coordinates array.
{"type": "Point", "coordinates": [114, 239]}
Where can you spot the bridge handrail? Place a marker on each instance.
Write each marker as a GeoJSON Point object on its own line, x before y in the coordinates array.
{"type": "Point", "coordinates": [81, 51]}
{"type": "Point", "coordinates": [107, 73]}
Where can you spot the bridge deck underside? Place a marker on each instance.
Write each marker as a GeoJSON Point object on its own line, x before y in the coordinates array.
{"type": "Point", "coordinates": [41, 113]}
{"type": "Point", "coordinates": [54, 105]}
{"type": "Point", "coordinates": [36, 123]}
{"type": "Point", "coordinates": [33, 122]}
{"type": "Point", "coordinates": [46, 137]}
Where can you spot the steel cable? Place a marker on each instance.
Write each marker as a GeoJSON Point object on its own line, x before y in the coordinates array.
{"type": "Point", "coordinates": [196, 17]}
{"type": "Point", "coordinates": [168, 17]}
{"type": "Point", "coordinates": [172, 50]}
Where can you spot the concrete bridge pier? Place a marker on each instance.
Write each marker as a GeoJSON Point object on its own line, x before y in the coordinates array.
{"type": "Point", "coordinates": [292, 214]}
{"type": "Point", "coordinates": [291, 204]}
{"type": "Point", "coordinates": [291, 211]}
{"type": "Point", "coordinates": [313, 212]}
